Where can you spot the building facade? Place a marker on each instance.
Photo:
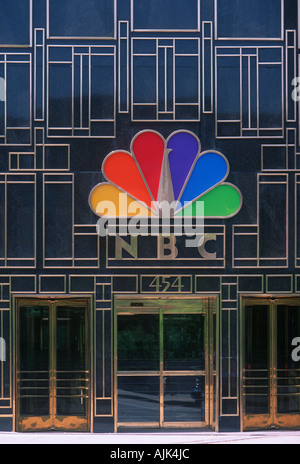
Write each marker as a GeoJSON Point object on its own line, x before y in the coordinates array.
{"type": "Point", "coordinates": [159, 100]}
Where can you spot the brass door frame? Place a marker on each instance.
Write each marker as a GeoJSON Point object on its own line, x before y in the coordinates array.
{"type": "Point", "coordinates": [54, 422]}
{"type": "Point", "coordinates": [273, 419]}
{"type": "Point", "coordinates": [172, 304]}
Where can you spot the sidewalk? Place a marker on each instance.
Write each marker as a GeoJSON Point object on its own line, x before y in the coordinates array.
{"type": "Point", "coordinates": [140, 439]}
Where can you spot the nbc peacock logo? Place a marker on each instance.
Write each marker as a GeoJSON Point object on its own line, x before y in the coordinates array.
{"type": "Point", "coordinates": [160, 175]}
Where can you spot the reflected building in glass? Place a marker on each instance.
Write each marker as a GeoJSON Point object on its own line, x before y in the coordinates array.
{"type": "Point", "coordinates": [124, 104]}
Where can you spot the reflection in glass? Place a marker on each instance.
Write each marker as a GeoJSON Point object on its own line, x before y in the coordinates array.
{"type": "Point", "coordinates": [184, 14]}
{"type": "Point", "coordinates": [34, 361]}
{"type": "Point", "coordinates": [184, 342]}
{"type": "Point", "coordinates": [138, 399]}
{"type": "Point", "coordinates": [288, 371]}
{"type": "Point", "coordinates": [76, 18]}
{"type": "Point", "coordinates": [171, 349]}
{"type": "Point", "coordinates": [184, 399]}
{"type": "Point", "coordinates": [257, 359]}
{"type": "Point", "coordinates": [14, 12]}
{"type": "Point", "coordinates": [249, 18]}
{"type": "Point", "coordinates": [53, 370]}
{"type": "Point", "coordinates": [138, 343]}
{"type": "Point", "coordinates": [71, 361]}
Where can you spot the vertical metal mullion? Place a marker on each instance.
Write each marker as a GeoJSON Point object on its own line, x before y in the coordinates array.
{"type": "Point", "coordinates": [272, 361]}
{"type": "Point", "coordinates": [50, 363]}
{"type": "Point", "coordinates": [73, 91]}
{"type": "Point", "coordinates": [161, 367]}
{"type": "Point", "coordinates": [103, 354]}
{"type": "Point", "coordinates": [207, 362]}
{"type": "Point", "coordinates": [15, 376]}
{"type": "Point", "coordinates": [5, 103]}
{"type": "Point", "coordinates": [241, 92]}
{"type": "Point", "coordinates": [52, 334]}
{"type": "Point", "coordinates": [166, 78]}
{"type": "Point", "coordinates": [174, 79]}
{"type": "Point", "coordinates": [115, 367]}
{"type": "Point", "coordinates": [90, 90]}
{"type": "Point", "coordinates": [157, 81]}
{"type": "Point", "coordinates": [242, 360]}
{"type": "Point", "coordinates": [87, 347]}
{"type": "Point", "coordinates": [210, 358]}
{"type": "Point", "coordinates": [5, 221]}
{"type": "Point", "coordinates": [249, 92]}
{"type": "Point", "coordinates": [257, 93]}
{"type": "Point", "coordinates": [213, 374]}
{"type": "Point", "coordinates": [81, 91]}
{"type": "Point", "coordinates": [229, 351]}
{"type": "Point", "coordinates": [2, 361]}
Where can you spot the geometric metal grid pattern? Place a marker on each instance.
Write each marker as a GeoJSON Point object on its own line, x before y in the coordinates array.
{"type": "Point", "coordinates": [73, 95]}
{"type": "Point", "coordinates": [171, 70]}
{"type": "Point", "coordinates": [245, 74]}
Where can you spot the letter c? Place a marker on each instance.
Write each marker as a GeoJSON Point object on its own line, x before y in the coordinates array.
{"type": "Point", "coordinates": [203, 252]}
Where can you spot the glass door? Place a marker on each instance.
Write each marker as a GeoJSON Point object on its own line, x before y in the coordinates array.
{"type": "Point", "coordinates": [33, 371]}
{"type": "Point", "coordinates": [258, 361]}
{"type": "Point", "coordinates": [185, 379]}
{"type": "Point", "coordinates": [271, 374]}
{"type": "Point", "coordinates": [53, 367]}
{"type": "Point", "coordinates": [165, 363]}
{"type": "Point", "coordinates": [138, 367]}
{"type": "Point", "coordinates": [287, 371]}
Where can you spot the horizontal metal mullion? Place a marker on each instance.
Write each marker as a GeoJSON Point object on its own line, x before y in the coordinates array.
{"type": "Point", "coordinates": [138, 374]}
{"type": "Point", "coordinates": [184, 373]}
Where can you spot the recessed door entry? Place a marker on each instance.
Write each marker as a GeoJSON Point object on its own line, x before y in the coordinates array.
{"type": "Point", "coordinates": [165, 362]}
{"type": "Point", "coordinates": [53, 366]}
{"type": "Point", "coordinates": [271, 377]}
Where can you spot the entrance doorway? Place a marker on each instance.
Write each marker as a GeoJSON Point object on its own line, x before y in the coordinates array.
{"type": "Point", "coordinates": [165, 362]}
{"type": "Point", "coordinates": [271, 377]}
{"type": "Point", "coordinates": [52, 365]}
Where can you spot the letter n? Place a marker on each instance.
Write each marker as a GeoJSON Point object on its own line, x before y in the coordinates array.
{"type": "Point", "coordinates": [131, 248]}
